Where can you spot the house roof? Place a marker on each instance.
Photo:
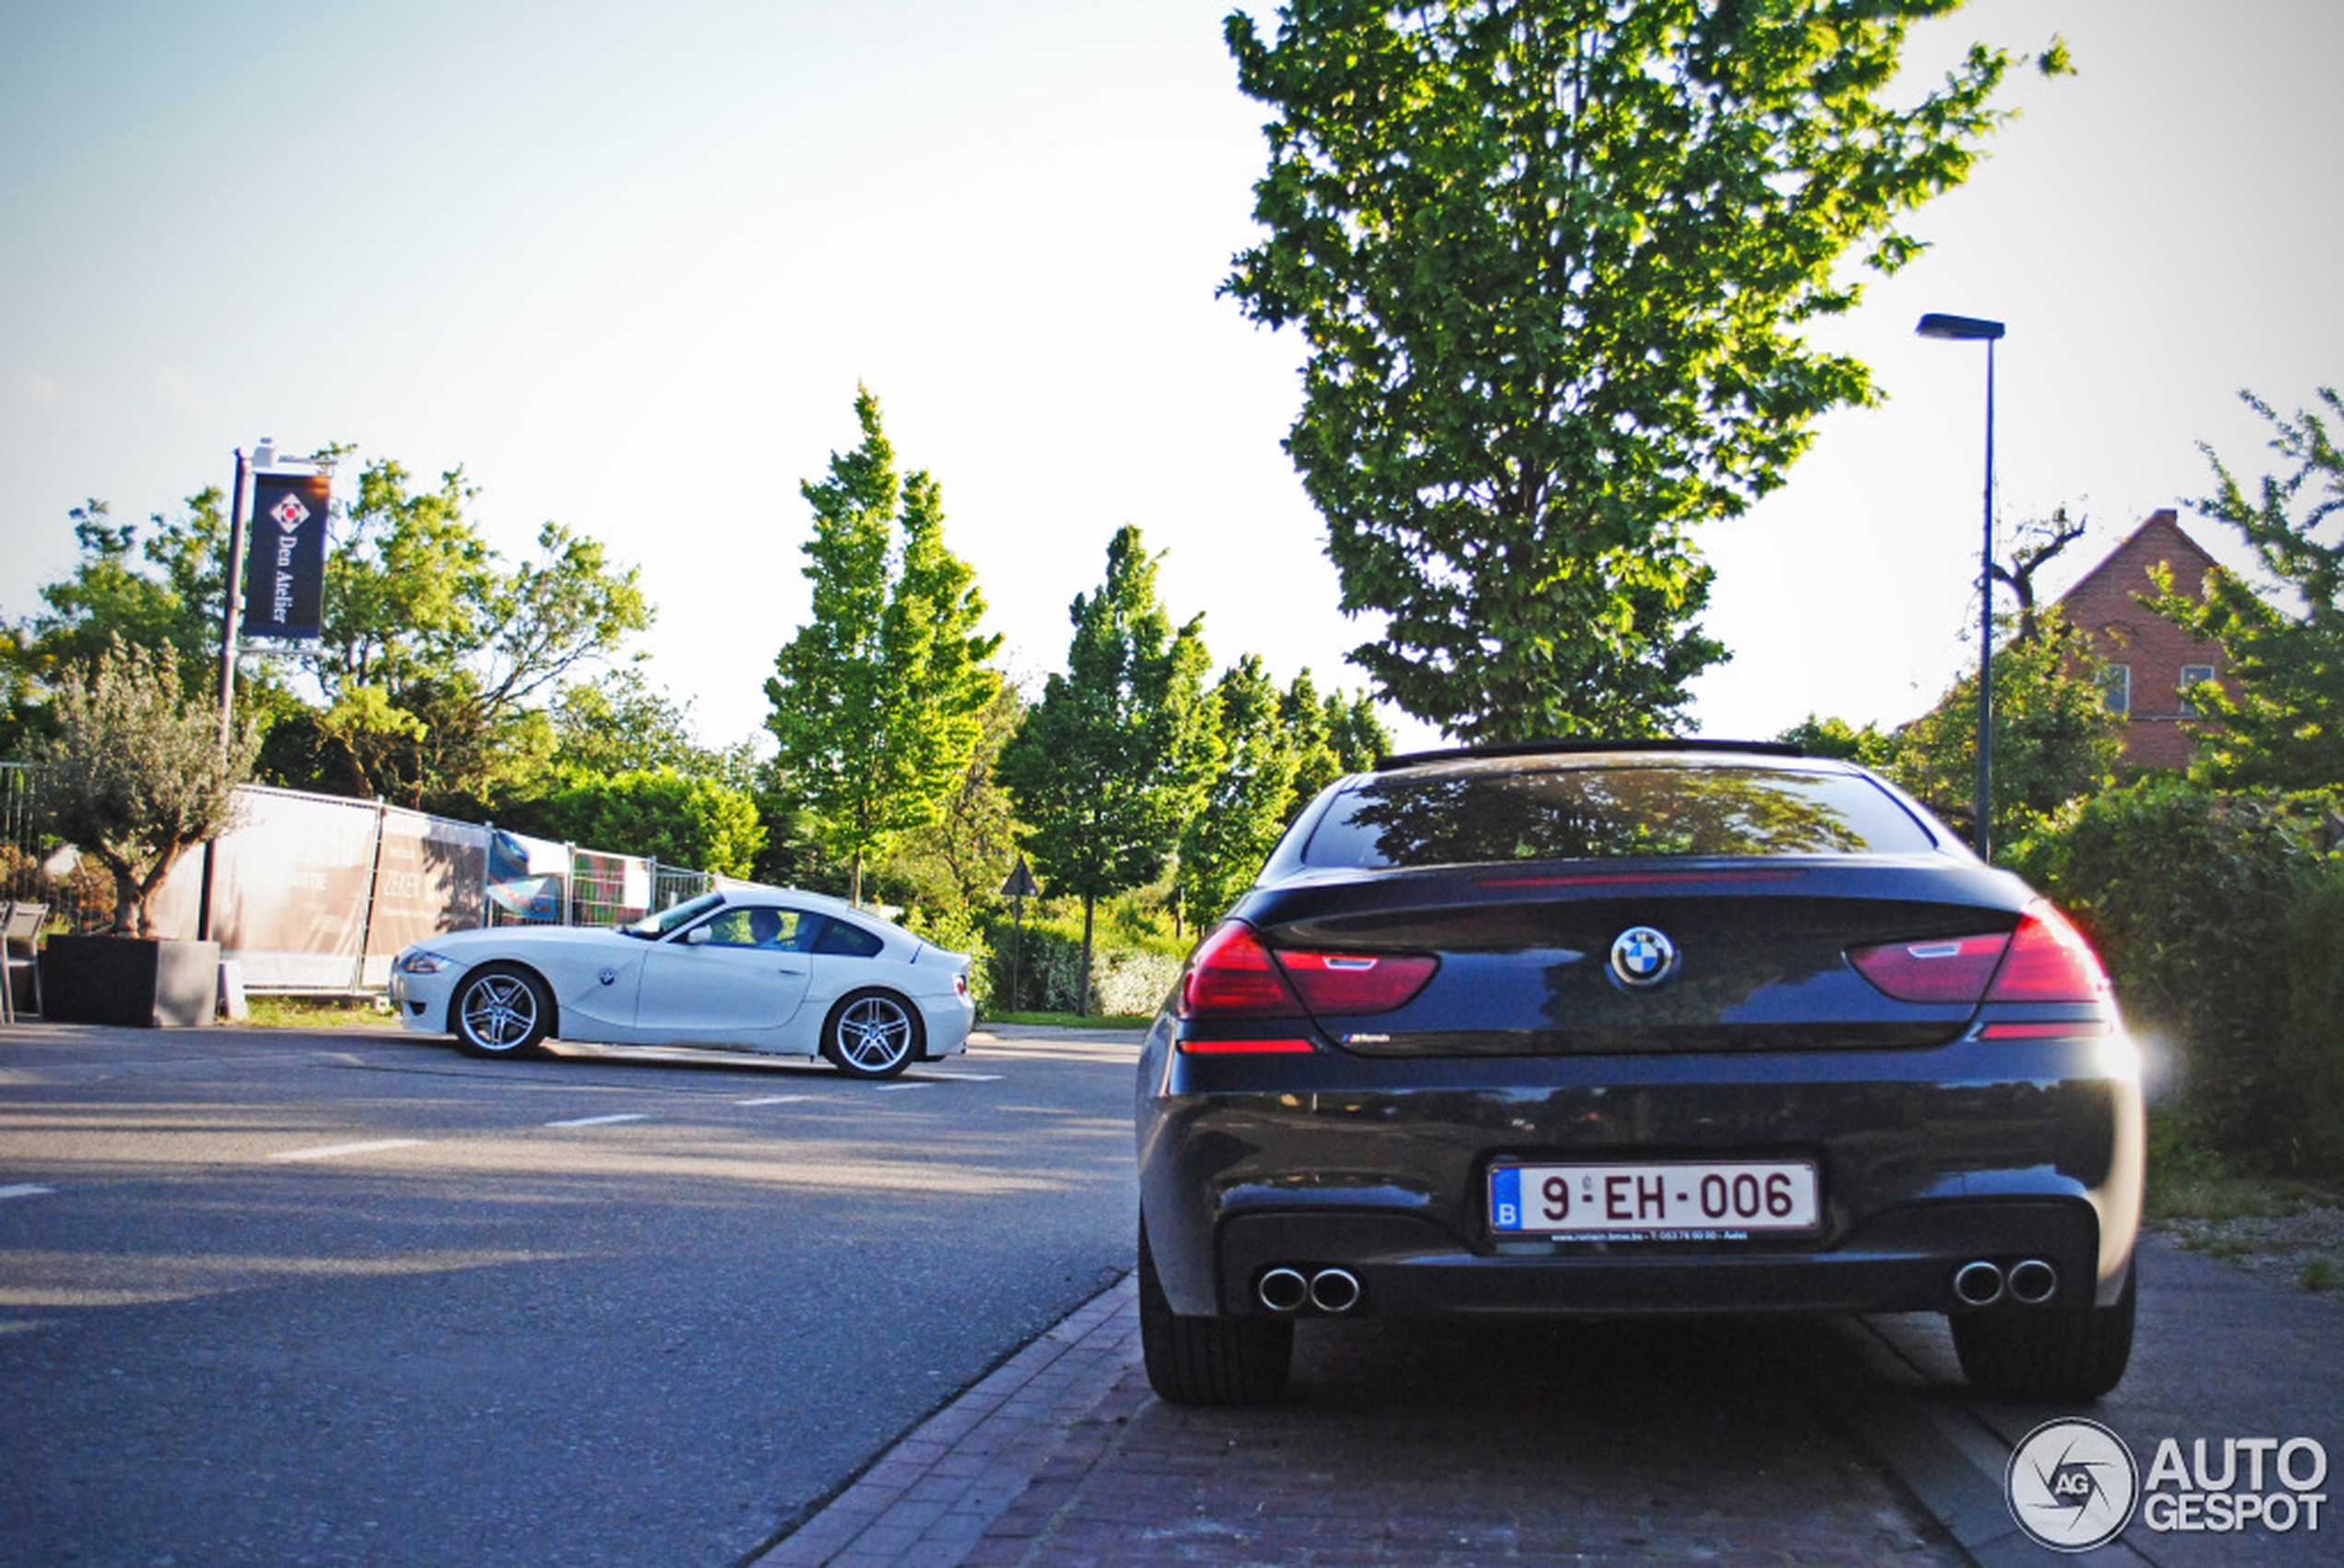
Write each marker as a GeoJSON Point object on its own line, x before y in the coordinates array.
{"type": "Point", "coordinates": [2161, 538]}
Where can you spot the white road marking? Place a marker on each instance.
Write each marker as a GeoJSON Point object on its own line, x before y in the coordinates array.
{"type": "Point", "coordinates": [965, 1077]}
{"type": "Point", "coordinates": [601, 1120]}
{"type": "Point", "coordinates": [899, 1088]}
{"type": "Point", "coordinates": [338, 1150]}
{"type": "Point", "coordinates": [26, 1191]}
{"type": "Point", "coordinates": [774, 1100]}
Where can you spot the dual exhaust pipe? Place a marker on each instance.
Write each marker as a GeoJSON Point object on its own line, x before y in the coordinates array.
{"type": "Point", "coordinates": [1287, 1290]}
{"type": "Point", "coordinates": [2031, 1283]}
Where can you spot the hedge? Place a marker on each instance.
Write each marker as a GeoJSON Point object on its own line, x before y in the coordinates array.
{"type": "Point", "coordinates": [1048, 958]}
{"type": "Point", "coordinates": [2220, 917]}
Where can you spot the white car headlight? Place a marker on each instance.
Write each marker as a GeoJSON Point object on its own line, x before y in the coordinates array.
{"type": "Point", "coordinates": [415, 961]}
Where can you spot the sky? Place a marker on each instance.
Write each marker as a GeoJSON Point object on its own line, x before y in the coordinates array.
{"type": "Point", "coordinates": [626, 265]}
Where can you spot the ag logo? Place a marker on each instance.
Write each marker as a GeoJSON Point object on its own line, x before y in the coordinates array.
{"type": "Point", "coordinates": [2072, 1485]}
{"type": "Point", "coordinates": [290, 514]}
{"type": "Point", "coordinates": [1642, 958]}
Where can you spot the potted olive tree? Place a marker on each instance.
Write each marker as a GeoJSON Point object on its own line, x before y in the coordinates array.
{"type": "Point", "coordinates": [135, 777]}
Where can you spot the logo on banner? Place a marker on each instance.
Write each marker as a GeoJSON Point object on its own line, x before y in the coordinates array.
{"type": "Point", "coordinates": [290, 513]}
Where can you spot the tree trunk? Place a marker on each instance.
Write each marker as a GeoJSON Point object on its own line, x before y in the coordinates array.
{"type": "Point", "coordinates": [1090, 903]}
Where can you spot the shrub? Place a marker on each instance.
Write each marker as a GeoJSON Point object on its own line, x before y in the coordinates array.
{"type": "Point", "coordinates": [959, 930]}
{"type": "Point", "coordinates": [2310, 1050]}
{"type": "Point", "coordinates": [136, 775]}
{"type": "Point", "coordinates": [2192, 898]}
{"type": "Point", "coordinates": [1047, 957]}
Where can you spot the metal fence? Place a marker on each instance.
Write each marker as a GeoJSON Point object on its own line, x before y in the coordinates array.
{"type": "Point", "coordinates": [78, 892]}
{"type": "Point", "coordinates": [572, 886]}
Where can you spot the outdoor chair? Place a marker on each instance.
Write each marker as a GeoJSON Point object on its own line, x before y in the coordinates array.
{"type": "Point", "coordinates": [20, 925]}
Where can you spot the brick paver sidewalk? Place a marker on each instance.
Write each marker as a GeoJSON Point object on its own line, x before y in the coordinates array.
{"type": "Point", "coordinates": [1405, 1447]}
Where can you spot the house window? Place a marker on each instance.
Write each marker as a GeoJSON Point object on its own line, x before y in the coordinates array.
{"type": "Point", "coordinates": [2116, 687]}
{"type": "Point", "coordinates": [2193, 675]}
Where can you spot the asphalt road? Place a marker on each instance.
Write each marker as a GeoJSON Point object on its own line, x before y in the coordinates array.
{"type": "Point", "coordinates": [291, 1296]}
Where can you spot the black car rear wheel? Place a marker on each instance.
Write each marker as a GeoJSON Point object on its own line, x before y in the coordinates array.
{"type": "Point", "coordinates": [1209, 1361]}
{"type": "Point", "coordinates": [2047, 1352]}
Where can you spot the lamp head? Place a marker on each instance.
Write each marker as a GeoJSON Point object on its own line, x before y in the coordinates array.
{"type": "Point", "coordinates": [1959, 327]}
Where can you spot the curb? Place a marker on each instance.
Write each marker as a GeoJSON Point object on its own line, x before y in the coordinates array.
{"type": "Point", "coordinates": [934, 1496]}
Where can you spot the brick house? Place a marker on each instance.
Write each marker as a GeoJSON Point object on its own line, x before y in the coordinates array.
{"type": "Point", "coordinates": [2149, 658]}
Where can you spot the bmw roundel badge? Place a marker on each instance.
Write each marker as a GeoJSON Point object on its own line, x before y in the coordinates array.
{"type": "Point", "coordinates": [1642, 958]}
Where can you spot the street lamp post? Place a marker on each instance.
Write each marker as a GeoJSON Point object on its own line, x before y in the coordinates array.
{"type": "Point", "coordinates": [1970, 328]}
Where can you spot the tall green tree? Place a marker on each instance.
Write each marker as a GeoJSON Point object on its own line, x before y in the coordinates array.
{"type": "Point", "coordinates": [156, 586]}
{"type": "Point", "coordinates": [2281, 723]}
{"type": "Point", "coordinates": [673, 818]}
{"type": "Point", "coordinates": [876, 699]}
{"type": "Point", "coordinates": [1250, 797]}
{"type": "Point", "coordinates": [1333, 734]}
{"type": "Point", "coordinates": [1109, 765]}
{"type": "Point", "coordinates": [621, 724]}
{"type": "Point", "coordinates": [436, 656]}
{"type": "Point", "coordinates": [1553, 259]}
{"type": "Point", "coordinates": [960, 861]}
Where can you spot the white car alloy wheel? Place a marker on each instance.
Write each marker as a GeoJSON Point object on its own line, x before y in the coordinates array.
{"type": "Point", "coordinates": [500, 1010]}
{"type": "Point", "coordinates": [871, 1034]}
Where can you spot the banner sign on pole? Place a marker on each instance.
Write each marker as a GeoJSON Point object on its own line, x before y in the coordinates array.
{"type": "Point", "coordinates": [285, 566]}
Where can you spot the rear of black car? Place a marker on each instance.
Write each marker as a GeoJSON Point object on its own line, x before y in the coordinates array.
{"type": "Point", "coordinates": [1626, 1032]}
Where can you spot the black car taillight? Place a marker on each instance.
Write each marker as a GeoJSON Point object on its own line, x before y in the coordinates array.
{"type": "Point", "coordinates": [2045, 960]}
{"type": "Point", "coordinates": [1235, 977]}
{"type": "Point", "coordinates": [1231, 975]}
{"type": "Point", "coordinates": [2049, 960]}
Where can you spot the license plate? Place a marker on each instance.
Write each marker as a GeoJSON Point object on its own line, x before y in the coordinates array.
{"type": "Point", "coordinates": [1727, 1200]}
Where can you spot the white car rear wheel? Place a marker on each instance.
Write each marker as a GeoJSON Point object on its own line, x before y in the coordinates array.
{"type": "Point", "coordinates": [871, 1034]}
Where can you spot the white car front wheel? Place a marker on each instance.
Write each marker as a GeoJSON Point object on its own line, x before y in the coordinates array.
{"type": "Point", "coordinates": [500, 1010]}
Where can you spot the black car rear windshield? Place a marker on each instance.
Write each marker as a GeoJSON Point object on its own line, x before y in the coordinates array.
{"type": "Point", "coordinates": [1498, 815]}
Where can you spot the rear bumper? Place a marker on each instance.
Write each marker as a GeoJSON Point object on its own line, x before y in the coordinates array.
{"type": "Point", "coordinates": [1903, 1261]}
{"type": "Point", "coordinates": [945, 1024]}
{"type": "Point", "coordinates": [2002, 1150]}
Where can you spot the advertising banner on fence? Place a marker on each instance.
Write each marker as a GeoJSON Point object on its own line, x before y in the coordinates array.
{"type": "Point", "coordinates": [285, 558]}
{"type": "Point", "coordinates": [288, 889]}
{"type": "Point", "coordinates": [528, 878]}
{"type": "Point", "coordinates": [431, 875]}
{"type": "Point", "coordinates": [315, 893]}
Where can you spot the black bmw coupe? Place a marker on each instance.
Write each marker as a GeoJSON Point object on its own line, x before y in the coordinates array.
{"type": "Point", "coordinates": [1628, 1030]}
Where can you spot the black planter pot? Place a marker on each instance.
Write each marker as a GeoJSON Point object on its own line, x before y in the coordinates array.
{"type": "Point", "coordinates": [143, 982]}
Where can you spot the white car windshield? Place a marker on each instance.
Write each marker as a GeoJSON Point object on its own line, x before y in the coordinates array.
{"type": "Point", "coordinates": [651, 927]}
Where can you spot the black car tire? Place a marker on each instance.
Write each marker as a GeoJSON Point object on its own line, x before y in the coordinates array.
{"type": "Point", "coordinates": [872, 1034]}
{"type": "Point", "coordinates": [1209, 1361]}
{"type": "Point", "coordinates": [2048, 1353]}
{"type": "Point", "coordinates": [501, 1010]}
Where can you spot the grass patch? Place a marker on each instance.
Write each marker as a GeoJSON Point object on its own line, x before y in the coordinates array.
{"type": "Point", "coordinates": [2270, 1224]}
{"type": "Point", "coordinates": [2189, 1181]}
{"type": "Point", "coordinates": [1072, 1020]}
{"type": "Point", "coordinates": [319, 1013]}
